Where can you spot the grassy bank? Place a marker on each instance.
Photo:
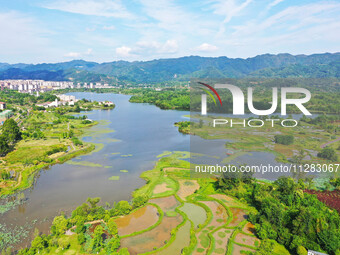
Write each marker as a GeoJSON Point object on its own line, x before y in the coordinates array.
{"type": "Point", "coordinates": [48, 138]}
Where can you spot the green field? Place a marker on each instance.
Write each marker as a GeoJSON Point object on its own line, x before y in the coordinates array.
{"type": "Point", "coordinates": [48, 138]}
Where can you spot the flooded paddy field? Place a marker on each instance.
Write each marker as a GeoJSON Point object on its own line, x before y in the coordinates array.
{"type": "Point", "coordinates": [138, 220]}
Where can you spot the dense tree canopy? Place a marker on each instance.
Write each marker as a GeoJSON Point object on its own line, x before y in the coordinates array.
{"type": "Point", "coordinates": [288, 215]}
{"type": "Point", "coordinates": [11, 131]}
{"type": "Point", "coordinates": [4, 147]}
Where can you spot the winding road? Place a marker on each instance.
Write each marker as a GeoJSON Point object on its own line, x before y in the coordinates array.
{"type": "Point", "coordinates": [325, 144]}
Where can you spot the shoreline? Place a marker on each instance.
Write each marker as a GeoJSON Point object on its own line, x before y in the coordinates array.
{"type": "Point", "coordinates": [27, 176]}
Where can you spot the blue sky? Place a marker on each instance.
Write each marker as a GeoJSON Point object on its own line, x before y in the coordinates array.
{"type": "Point", "coordinates": [38, 31]}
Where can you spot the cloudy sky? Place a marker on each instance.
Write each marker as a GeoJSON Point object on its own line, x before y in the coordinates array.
{"type": "Point", "coordinates": [38, 31]}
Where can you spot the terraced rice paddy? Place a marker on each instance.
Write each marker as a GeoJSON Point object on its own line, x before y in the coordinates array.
{"type": "Point", "coordinates": [221, 238]}
{"type": "Point", "coordinates": [237, 249]}
{"type": "Point", "coordinates": [239, 215]}
{"type": "Point", "coordinates": [166, 203]}
{"type": "Point", "coordinates": [182, 240]}
{"type": "Point", "coordinates": [190, 217]}
{"type": "Point", "coordinates": [188, 222]}
{"type": "Point", "coordinates": [152, 239]}
{"type": "Point", "coordinates": [137, 221]}
{"type": "Point", "coordinates": [187, 188]}
{"type": "Point", "coordinates": [196, 213]}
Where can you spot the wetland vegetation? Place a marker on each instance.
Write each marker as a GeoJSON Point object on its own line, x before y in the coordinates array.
{"type": "Point", "coordinates": [197, 216]}
{"type": "Point", "coordinates": [174, 212]}
{"type": "Point", "coordinates": [39, 137]}
{"type": "Point", "coordinates": [313, 140]}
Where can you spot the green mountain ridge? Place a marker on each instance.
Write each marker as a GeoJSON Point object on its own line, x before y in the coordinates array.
{"type": "Point", "coordinates": [184, 68]}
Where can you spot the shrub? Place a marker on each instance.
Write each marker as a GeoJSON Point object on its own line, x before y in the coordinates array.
{"type": "Point", "coordinates": [328, 153]}
{"type": "Point", "coordinates": [56, 149]}
{"type": "Point", "coordinates": [64, 243]}
{"type": "Point", "coordinates": [86, 122]}
{"type": "Point", "coordinates": [139, 200]}
{"type": "Point", "coordinates": [76, 141]}
{"type": "Point", "coordinates": [301, 250]}
{"type": "Point", "coordinates": [81, 238]}
{"type": "Point", "coordinates": [284, 139]}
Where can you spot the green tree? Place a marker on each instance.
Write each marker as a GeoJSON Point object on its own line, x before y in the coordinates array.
{"type": "Point", "coordinates": [80, 227]}
{"type": "Point", "coordinates": [38, 244]}
{"type": "Point", "coordinates": [139, 201]}
{"type": "Point", "coordinates": [328, 153]}
{"type": "Point", "coordinates": [286, 186]}
{"type": "Point", "coordinates": [81, 238]}
{"type": "Point", "coordinates": [64, 243]}
{"type": "Point", "coordinates": [4, 147]}
{"type": "Point", "coordinates": [112, 245]}
{"type": "Point", "coordinates": [59, 225]}
{"type": "Point", "coordinates": [93, 201]}
{"type": "Point", "coordinates": [301, 250]}
{"type": "Point", "coordinates": [123, 207]}
{"type": "Point", "coordinates": [77, 109]}
{"type": "Point", "coordinates": [284, 139]}
{"type": "Point", "coordinates": [265, 231]}
{"type": "Point", "coordinates": [11, 131]}
{"type": "Point", "coordinates": [97, 240]}
{"type": "Point", "coordinates": [335, 182]}
{"type": "Point", "coordinates": [266, 247]}
{"type": "Point", "coordinates": [112, 227]}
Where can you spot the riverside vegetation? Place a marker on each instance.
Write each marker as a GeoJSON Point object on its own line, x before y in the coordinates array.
{"type": "Point", "coordinates": [227, 215]}
{"type": "Point", "coordinates": [35, 137]}
{"type": "Point", "coordinates": [313, 140]}
{"type": "Point", "coordinates": [325, 94]}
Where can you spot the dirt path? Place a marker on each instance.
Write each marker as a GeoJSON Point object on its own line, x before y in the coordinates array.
{"type": "Point", "coordinates": [90, 222]}
{"type": "Point", "coordinates": [325, 144]}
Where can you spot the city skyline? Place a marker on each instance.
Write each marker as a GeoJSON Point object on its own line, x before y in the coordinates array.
{"type": "Point", "coordinates": [109, 30]}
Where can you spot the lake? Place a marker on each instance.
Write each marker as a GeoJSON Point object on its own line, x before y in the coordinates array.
{"type": "Point", "coordinates": [130, 137]}
{"type": "Point", "coordinates": [138, 133]}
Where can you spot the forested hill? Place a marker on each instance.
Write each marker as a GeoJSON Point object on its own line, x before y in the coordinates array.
{"type": "Point", "coordinates": [268, 65]}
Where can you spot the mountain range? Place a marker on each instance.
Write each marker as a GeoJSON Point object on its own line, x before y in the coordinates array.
{"type": "Point", "coordinates": [184, 68]}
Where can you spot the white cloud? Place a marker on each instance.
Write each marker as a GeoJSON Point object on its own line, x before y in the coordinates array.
{"type": "Point", "coordinates": [170, 46]}
{"type": "Point", "coordinates": [105, 8]}
{"type": "Point", "coordinates": [154, 47]}
{"type": "Point", "coordinates": [109, 27]}
{"type": "Point", "coordinates": [167, 17]}
{"type": "Point", "coordinates": [73, 55]}
{"type": "Point", "coordinates": [291, 18]}
{"type": "Point", "coordinates": [295, 29]}
{"type": "Point", "coordinates": [274, 3]}
{"type": "Point", "coordinates": [228, 8]}
{"type": "Point", "coordinates": [147, 49]}
{"type": "Point", "coordinates": [206, 47]}
{"type": "Point", "coordinates": [124, 51]}
{"type": "Point", "coordinates": [168, 28]}
{"type": "Point", "coordinates": [88, 52]}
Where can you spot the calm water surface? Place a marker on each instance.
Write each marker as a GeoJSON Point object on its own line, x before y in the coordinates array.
{"type": "Point", "coordinates": [141, 132]}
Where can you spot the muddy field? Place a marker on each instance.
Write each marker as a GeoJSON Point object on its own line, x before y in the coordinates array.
{"type": "Point", "coordinates": [152, 239]}
{"type": "Point", "coordinates": [239, 215]}
{"type": "Point", "coordinates": [137, 221]}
